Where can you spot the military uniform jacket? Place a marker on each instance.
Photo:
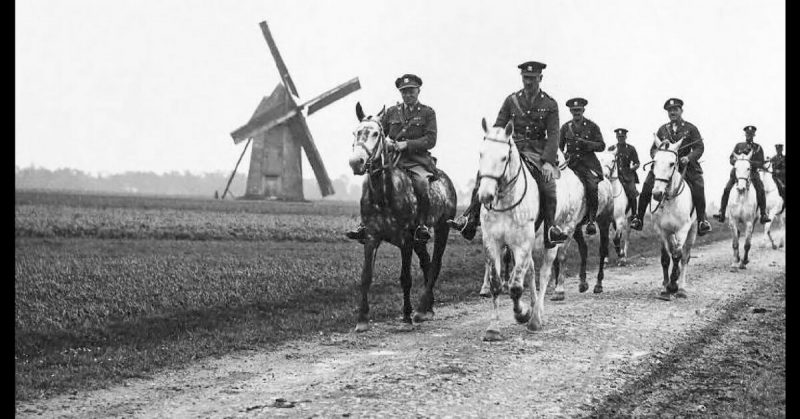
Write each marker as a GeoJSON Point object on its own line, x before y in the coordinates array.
{"type": "Point", "coordinates": [572, 141]}
{"type": "Point", "coordinates": [756, 160]}
{"type": "Point", "coordinates": [691, 147]}
{"type": "Point", "coordinates": [626, 154]}
{"type": "Point", "coordinates": [535, 123]}
{"type": "Point", "coordinates": [778, 165]}
{"type": "Point", "coordinates": [416, 125]}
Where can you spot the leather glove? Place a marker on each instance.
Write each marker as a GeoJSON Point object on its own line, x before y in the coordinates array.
{"type": "Point", "coordinates": [684, 160]}
{"type": "Point", "coordinates": [550, 172]}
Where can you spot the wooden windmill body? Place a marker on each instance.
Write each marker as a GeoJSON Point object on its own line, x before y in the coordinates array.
{"type": "Point", "coordinates": [278, 131]}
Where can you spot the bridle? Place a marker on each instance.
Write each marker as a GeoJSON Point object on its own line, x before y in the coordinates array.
{"type": "Point", "coordinates": [613, 178]}
{"type": "Point", "coordinates": [749, 168]}
{"type": "Point", "coordinates": [503, 188]}
{"type": "Point", "coordinates": [668, 180]}
{"type": "Point", "coordinates": [371, 166]}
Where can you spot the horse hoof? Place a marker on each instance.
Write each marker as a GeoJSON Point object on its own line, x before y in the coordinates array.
{"type": "Point", "coordinates": [362, 327]}
{"type": "Point", "coordinates": [523, 317]}
{"type": "Point", "coordinates": [406, 326]}
{"type": "Point", "coordinates": [598, 289]}
{"type": "Point", "coordinates": [681, 293]}
{"type": "Point", "coordinates": [622, 262]}
{"type": "Point", "coordinates": [534, 326]}
{"type": "Point", "coordinates": [485, 292]}
{"type": "Point", "coordinates": [582, 287]}
{"type": "Point", "coordinates": [664, 295]}
{"type": "Point", "coordinates": [559, 296]}
{"type": "Point", "coordinates": [420, 317]}
{"type": "Point", "coordinates": [742, 266]}
{"type": "Point", "coordinates": [774, 247]}
{"type": "Point", "coordinates": [492, 335]}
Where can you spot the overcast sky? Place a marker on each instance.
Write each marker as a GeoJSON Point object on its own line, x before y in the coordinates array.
{"type": "Point", "coordinates": [108, 86]}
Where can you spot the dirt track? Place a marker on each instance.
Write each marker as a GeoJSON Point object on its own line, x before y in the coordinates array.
{"type": "Point", "coordinates": [592, 348]}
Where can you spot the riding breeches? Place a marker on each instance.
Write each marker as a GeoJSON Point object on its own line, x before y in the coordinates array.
{"type": "Point", "coordinates": [589, 181]}
{"type": "Point", "coordinates": [780, 183]}
{"type": "Point", "coordinates": [761, 197]}
{"type": "Point", "coordinates": [695, 182]}
{"type": "Point", "coordinates": [419, 179]}
{"type": "Point", "coordinates": [629, 186]}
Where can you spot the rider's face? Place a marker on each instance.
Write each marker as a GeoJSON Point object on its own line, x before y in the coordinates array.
{"type": "Point", "coordinates": [621, 138]}
{"type": "Point", "coordinates": [531, 82]}
{"type": "Point", "coordinates": [410, 95]}
{"type": "Point", "coordinates": [675, 113]}
{"type": "Point", "coordinates": [577, 112]}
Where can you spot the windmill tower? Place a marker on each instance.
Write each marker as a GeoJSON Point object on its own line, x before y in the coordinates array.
{"type": "Point", "coordinates": [278, 130]}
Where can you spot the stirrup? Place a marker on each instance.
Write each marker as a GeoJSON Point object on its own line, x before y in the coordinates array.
{"type": "Point", "coordinates": [719, 217]}
{"type": "Point", "coordinates": [560, 239]}
{"type": "Point", "coordinates": [421, 234]}
{"type": "Point", "coordinates": [636, 223]}
{"type": "Point", "coordinates": [459, 223]}
{"type": "Point", "coordinates": [591, 228]}
{"type": "Point", "coordinates": [765, 219]}
{"type": "Point", "coordinates": [703, 227]}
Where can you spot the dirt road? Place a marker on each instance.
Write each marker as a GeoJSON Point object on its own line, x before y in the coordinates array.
{"type": "Point", "coordinates": [594, 347]}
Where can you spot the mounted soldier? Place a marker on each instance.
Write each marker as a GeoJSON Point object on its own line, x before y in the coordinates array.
{"type": "Point", "coordinates": [535, 117]}
{"type": "Point", "coordinates": [691, 149]}
{"type": "Point", "coordinates": [410, 128]}
{"type": "Point", "coordinates": [756, 164]}
{"type": "Point", "coordinates": [627, 163]}
{"type": "Point", "coordinates": [579, 139]}
{"type": "Point", "coordinates": [778, 163]}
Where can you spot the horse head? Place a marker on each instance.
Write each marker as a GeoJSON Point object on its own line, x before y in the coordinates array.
{"type": "Point", "coordinates": [608, 161]}
{"type": "Point", "coordinates": [497, 154]}
{"type": "Point", "coordinates": [665, 165]}
{"type": "Point", "coordinates": [741, 168]}
{"type": "Point", "coordinates": [369, 141]}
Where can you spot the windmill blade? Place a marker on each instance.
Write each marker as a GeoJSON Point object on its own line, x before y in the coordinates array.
{"type": "Point", "coordinates": [262, 123]}
{"type": "Point", "coordinates": [287, 80]}
{"type": "Point", "coordinates": [301, 133]}
{"type": "Point", "coordinates": [332, 95]}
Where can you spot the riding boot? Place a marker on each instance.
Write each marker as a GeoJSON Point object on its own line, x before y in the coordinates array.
{"type": "Point", "coordinates": [591, 208]}
{"type": "Point", "coordinates": [467, 224]}
{"type": "Point", "coordinates": [695, 181]}
{"type": "Point", "coordinates": [724, 203]}
{"type": "Point", "coordinates": [761, 197]}
{"type": "Point", "coordinates": [359, 233]}
{"type": "Point", "coordinates": [421, 234]}
{"type": "Point", "coordinates": [552, 234]}
{"type": "Point", "coordinates": [644, 200]}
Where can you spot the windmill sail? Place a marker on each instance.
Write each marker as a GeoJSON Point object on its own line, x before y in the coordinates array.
{"type": "Point", "coordinates": [301, 133]}
{"type": "Point", "coordinates": [333, 95]}
{"type": "Point", "coordinates": [284, 72]}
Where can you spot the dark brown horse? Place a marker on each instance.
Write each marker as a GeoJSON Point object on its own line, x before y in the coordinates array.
{"type": "Point", "coordinates": [388, 210]}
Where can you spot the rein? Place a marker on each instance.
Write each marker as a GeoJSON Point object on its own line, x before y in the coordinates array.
{"type": "Point", "coordinates": [370, 166]}
{"type": "Point", "coordinates": [668, 181]}
{"type": "Point", "coordinates": [502, 189]}
{"type": "Point", "coordinates": [746, 179]}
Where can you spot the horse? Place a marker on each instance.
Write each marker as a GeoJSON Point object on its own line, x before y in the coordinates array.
{"type": "Point", "coordinates": [570, 217]}
{"type": "Point", "coordinates": [388, 210]}
{"type": "Point", "coordinates": [673, 217]}
{"type": "Point", "coordinates": [622, 230]}
{"type": "Point", "coordinates": [775, 206]}
{"type": "Point", "coordinates": [742, 209]}
{"type": "Point", "coordinates": [510, 197]}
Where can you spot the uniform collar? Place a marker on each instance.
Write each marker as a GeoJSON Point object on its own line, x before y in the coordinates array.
{"type": "Point", "coordinates": [413, 107]}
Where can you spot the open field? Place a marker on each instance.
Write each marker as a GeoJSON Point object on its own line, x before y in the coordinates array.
{"type": "Point", "coordinates": [108, 288]}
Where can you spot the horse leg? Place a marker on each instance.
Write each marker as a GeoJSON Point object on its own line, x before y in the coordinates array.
{"type": "Point", "coordinates": [748, 233]}
{"type": "Point", "coordinates": [583, 250]}
{"type": "Point", "coordinates": [558, 270]}
{"type": "Point", "coordinates": [508, 264]}
{"type": "Point", "coordinates": [665, 260]}
{"type": "Point", "coordinates": [626, 239]}
{"type": "Point", "coordinates": [536, 321]}
{"type": "Point", "coordinates": [735, 243]}
{"type": "Point", "coordinates": [690, 235]}
{"type": "Point", "coordinates": [370, 249]}
{"type": "Point", "coordinates": [405, 284]}
{"type": "Point", "coordinates": [604, 232]}
{"type": "Point", "coordinates": [494, 262]}
{"type": "Point", "coordinates": [618, 244]}
{"type": "Point", "coordinates": [425, 306]}
{"type": "Point", "coordinates": [676, 250]}
{"type": "Point", "coordinates": [523, 261]}
{"type": "Point", "coordinates": [768, 233]}
{"type": "Point", "coordinates": [486, 287]}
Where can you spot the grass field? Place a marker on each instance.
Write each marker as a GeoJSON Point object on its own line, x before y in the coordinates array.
{"type": "Point", "coordinates": [110, 287]}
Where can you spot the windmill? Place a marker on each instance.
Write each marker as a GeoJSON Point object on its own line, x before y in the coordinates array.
{"type": "Point", "coordinates": [278, 130]}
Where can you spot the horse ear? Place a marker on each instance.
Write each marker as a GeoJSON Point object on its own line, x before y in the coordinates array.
{"type": "Point", "coordinates": [359, 112]}
{"type": "Point", "coordinates": [483, 124]}
{"type": "Point", "coordinates": [383, 109]}
{"type": "Point", "coordinates": [656, 142]}
{"type": "Point", "coordinates": [676, 145]}
{"type": "Point", "coordinates": [509, 129]}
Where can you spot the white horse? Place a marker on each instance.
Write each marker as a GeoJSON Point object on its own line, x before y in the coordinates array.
{"type": "Point", "coordinates": [742, 209]}
{"type": "Point", "coordinates": [674, 218]}
{"type": "Point", "coordinates": [570, 212]}
{"type": "Point", "coordinates": [622, 230]}
{"type": "Point", "coordinates": [775, 208]}
{"type": "Point", "coordinates": [510, 197]}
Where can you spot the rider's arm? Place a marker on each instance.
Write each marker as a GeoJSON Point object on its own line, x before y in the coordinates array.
{"type": "Point", "coordinates": [597, 143]}
{"type": "Point", "coordinates": [427, 141]}
{"type": "Point", "coordinates": [697, 144]}
{"type": "Point", "coordinates": [551, 124]}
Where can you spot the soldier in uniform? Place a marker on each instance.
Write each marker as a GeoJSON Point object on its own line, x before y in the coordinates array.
{"type": "Point", "coordinates": [535, 117]}
{"type": "Point", "coordinates": [579, 139]}
{"type": "Point", "coordinates": [688, 155]}
{"type": "Point", "coordinates": [410, 128]}
{"type": "Point", "coordinates": [756, 163]}
{"type": "Point", "coordinates": [779, 170]}
{"type": "Point", "coordinates": [627, 163]}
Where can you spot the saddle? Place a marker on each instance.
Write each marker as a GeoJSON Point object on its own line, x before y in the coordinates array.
{"type": "Point", "coordinates": [533, 169]}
